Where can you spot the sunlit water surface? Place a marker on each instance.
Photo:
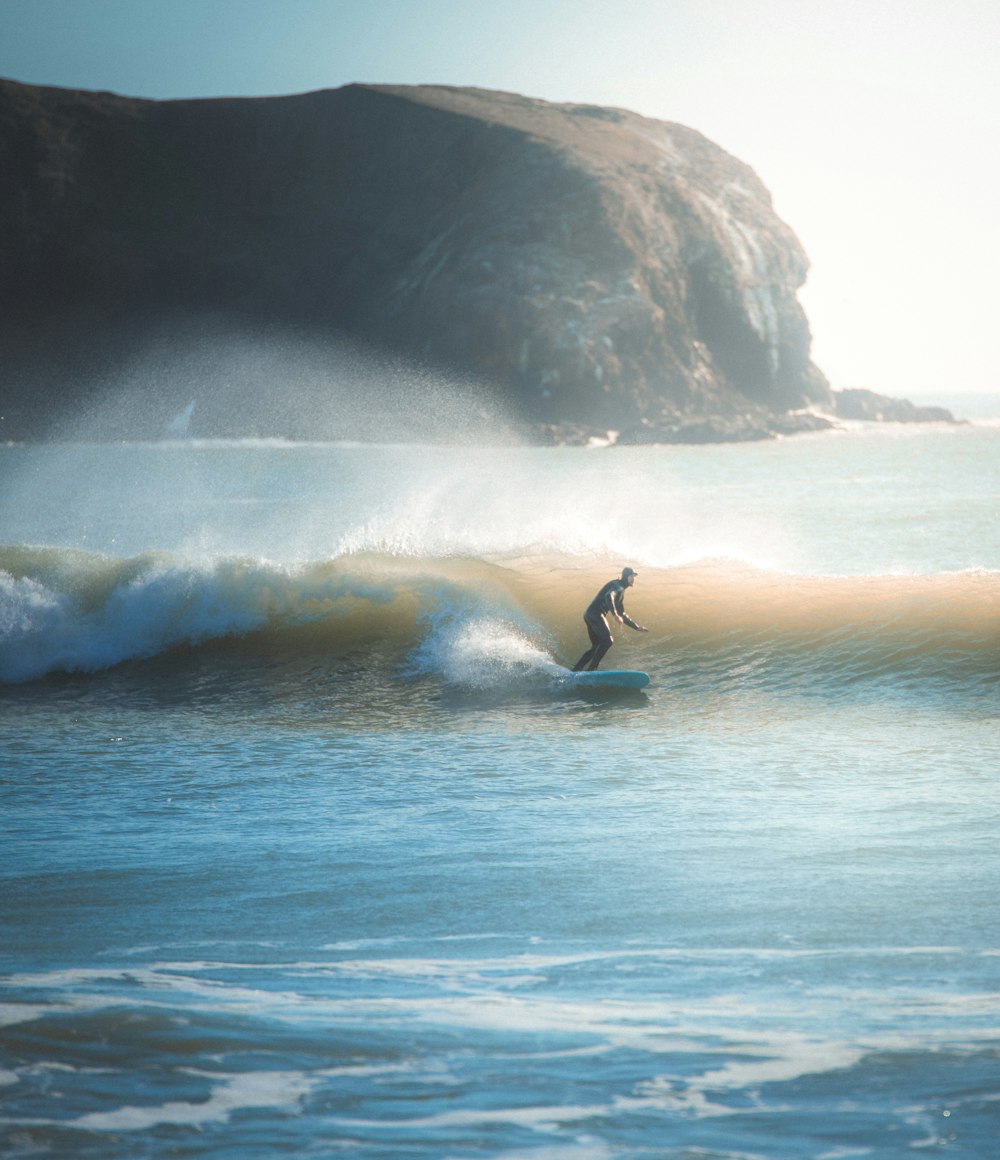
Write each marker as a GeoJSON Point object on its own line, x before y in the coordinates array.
{"type": "Point", "coordinates": [309, 848]}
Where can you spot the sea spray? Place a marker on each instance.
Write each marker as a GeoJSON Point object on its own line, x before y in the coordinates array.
{"type": "Point", "coordinates": [482, 652]}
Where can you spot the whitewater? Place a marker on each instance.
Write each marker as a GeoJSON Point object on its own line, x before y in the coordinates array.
{"type": "Point", "coordinates": [311, 848]}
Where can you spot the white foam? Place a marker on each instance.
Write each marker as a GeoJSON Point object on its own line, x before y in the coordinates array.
{"type": "Point", "coordinates": [801, 1056]}
{"type": "Point", "coordinates": [584, 1148]}
{"type": "Point", "coordinates": [549, 1118]}
{"type": "Point", "coordinates": [14, 1013]}
{"type": "Point", "coordinates": [481, 652]}
{"type": "Point", "coordinates": [44, 629]}
{"type": "Point", "coordinates": [843, 1153]}
{"type": "Point", "coordinates": [256, 1089]}
{"type": "Point", "coordinates": [744, 1046]}
{"type": "Point", "coordinates": [160, 603]}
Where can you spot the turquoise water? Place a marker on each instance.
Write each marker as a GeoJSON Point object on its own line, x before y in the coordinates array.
{"type": "Point", "coordinates": [310, 849]}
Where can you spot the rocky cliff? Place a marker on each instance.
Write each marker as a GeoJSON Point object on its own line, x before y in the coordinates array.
{"type": "Point", "coordinates": [593, 268]}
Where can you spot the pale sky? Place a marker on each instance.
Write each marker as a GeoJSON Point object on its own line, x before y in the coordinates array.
{"type": "Point", "coordinates": [874, 123]}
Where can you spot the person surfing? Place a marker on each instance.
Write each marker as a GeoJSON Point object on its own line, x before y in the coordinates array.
{"type": "Point", "coordinates": [610, 600]}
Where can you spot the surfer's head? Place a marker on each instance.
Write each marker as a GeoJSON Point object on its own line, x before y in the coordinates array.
{"type": "Point", "coordinates": [628, 576]}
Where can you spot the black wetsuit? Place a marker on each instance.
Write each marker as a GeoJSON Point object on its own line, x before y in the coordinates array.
{"type": "Point", "coordinates": [611, 598]}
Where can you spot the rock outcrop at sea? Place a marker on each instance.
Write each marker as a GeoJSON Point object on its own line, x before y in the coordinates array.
{"type": "Point", "coordinates": [592, 268]}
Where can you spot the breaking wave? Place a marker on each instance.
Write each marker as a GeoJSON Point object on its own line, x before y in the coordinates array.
{"type": "Point", "coordinates": [475, 621]}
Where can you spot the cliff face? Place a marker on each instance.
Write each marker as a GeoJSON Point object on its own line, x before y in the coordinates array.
{"type": "Point", "coordinates": [590, 265]}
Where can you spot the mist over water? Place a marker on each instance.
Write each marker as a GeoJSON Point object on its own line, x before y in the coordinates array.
{"type": "Point", "coordinates": [183, 376]}
{"type": "Point", "coordinates": [311, 848]}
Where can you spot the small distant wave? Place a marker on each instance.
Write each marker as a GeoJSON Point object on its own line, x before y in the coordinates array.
{"type": "Point", "coordinates": [475, 623]}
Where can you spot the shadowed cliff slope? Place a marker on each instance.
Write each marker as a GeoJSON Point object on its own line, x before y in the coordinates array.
{"type": "Point", "coordinates": [587, 265]}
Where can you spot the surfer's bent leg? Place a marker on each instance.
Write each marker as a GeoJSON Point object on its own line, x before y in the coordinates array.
{"type": "Point", "coordinates": [599, 652]}
{"type": "Point", "coordinates": [588, 656]}
{"type": "Point", "coordinates": [600, 641]}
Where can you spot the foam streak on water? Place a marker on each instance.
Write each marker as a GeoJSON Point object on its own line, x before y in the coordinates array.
{"type": "Point", "coordinates": [459, 1053]}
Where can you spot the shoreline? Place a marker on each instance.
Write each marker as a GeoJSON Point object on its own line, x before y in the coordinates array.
{"type": "Point", "coordinates": [569, 436]}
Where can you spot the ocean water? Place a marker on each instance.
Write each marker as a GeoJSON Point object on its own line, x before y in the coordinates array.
{"type": "Point", "coordinates": [310, 849]}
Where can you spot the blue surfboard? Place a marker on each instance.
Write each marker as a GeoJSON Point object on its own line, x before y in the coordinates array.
{"type": "Point", "coordinates": [609, 679]}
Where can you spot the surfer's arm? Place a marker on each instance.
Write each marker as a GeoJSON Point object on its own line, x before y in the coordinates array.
{"type": "Point", "coordinates": [618, 608]}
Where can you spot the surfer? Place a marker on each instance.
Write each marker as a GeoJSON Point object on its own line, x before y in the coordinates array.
{"type": "Point", "coordinates": [611, 598]}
